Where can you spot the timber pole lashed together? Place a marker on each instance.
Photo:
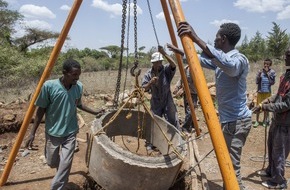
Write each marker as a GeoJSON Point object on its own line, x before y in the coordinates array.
{"type": "Point", "coordinates": [207, 105]}
{"type": "Point", "coordinates": [45, 75]}
{"type": "Point", "coordinates": [180, 66]}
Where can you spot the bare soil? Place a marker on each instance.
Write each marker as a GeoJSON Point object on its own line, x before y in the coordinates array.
{"type": "Point", "coordinates": [31, 172]}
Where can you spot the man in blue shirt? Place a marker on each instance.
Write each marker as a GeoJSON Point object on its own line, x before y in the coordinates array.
{"type": "Point", "coordinates": [59, 100]}
{"type": "Point", "coordinates": [231, 70]}
{"type": "Point", "coordinates": [157, 81]}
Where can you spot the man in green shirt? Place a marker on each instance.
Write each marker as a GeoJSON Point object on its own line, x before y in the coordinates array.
{"type": "Point", "coordinates": [59, 100]}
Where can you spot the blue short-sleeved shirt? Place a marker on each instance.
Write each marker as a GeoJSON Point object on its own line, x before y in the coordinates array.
{"type": "Point", "coordinates": [231, 70]}
{"type": "Point", "coordinates": [61, 107]}
{"type": "Point", "coordinates": [265, 80]}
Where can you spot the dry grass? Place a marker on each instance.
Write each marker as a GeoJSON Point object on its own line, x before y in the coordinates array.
{"type": "Point", "coordinates": [104, 82]}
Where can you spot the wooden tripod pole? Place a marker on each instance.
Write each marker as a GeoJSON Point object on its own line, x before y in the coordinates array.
{"type": "Point", "coordinates": [214, 127]}
{"type": "Point", "coordinates": [180, 66]}
{"type": "Point", "coordinates": [45, 75]}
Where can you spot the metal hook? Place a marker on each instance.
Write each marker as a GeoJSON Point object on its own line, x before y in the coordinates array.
{"type": "Point", "coordinates": [132, 70]}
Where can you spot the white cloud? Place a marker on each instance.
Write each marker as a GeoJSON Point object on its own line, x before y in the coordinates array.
{"type": "Point", "coordinates": [20, 31]}
{"type": "Point", "coordinates": [261, 6]}
{"type": "Point", "coordinates": [33, 11]}
{"type": "Point", "coordinates": [11, 1]}
{"type": "Point", "coordinates": [39, 24]}
{"type": "Point", "coordinates": [161, 16]}
{"type": "Point", "coordinates": [115, 9]}
{"type": "Point", "coordinates": [217, 23]}
{"type": "Point", "coordinates": [284, 14]}
{"type": "Point", "coordinates": [65, 7]}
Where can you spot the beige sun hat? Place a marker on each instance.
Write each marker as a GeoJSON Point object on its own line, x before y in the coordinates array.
{"type": "Point", "coordinates": [156, 57]}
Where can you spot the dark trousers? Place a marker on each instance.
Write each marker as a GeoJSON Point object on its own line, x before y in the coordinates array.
{"type": "Point", "coordinates": [278, 151]}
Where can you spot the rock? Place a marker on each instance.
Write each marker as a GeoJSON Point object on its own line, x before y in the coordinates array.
{"type": "Point", "coordinates": [42, 158]}
{"type": "Point", "coordinates": [25, 153]}
{"type": "Point", "coordinates": [9, 117]}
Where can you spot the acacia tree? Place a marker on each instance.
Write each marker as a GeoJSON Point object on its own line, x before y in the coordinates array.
{"type": "Point", "coordinates": [277, 42]}
{"type": "Point", "coordinates": [140, 52]}
{"type": "Point", "coordinates": [8, 19]}
{"type": "Point", "coordinates": [32, 37]}
{"type": "Point", "coordinates": [112, 50]}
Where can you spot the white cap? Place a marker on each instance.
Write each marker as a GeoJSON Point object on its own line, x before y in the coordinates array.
{"type": "Point", "coordinates": [156, 57]}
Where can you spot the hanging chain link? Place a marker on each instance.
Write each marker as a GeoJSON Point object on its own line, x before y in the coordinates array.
{"type": "Point", "coordinates": [135, 43]}
{"type": "Point", "coordinates": [117, 91]}
{"type": "Point", "coordinates": [127, 50]}
{"type": "Point", "coordinates": [135, 32]}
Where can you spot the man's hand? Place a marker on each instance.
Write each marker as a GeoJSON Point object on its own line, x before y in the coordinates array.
{"type": "Point", "coordinates": [257, 108]}
{"type": "Point", "coordinates": [29, 142]}
{"type": "Point", "coordinates": [161, 50]}
{"type": "Point", "coordinates": [185, 28]}
{"type": "Point", "coordinates": [154, 80]}
{"type": "Point", "coordinates": [175, 49]}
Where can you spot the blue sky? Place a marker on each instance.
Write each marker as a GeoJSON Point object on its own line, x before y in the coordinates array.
{"type": "Point", "coordinates": [98, 22]}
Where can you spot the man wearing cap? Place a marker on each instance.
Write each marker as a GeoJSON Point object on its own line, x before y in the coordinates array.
{"type": "Point", "coordinates": [157, 82]}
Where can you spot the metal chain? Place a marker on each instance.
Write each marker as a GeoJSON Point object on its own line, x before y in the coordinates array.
{"type": "Point", "coordinates": [152, 22]}
{"type": "Point", "coordinates": [135, 43]}
{"type": "Point", "coordinates": [135, 31]}
{"type": "Point", "coordinates": [127, 62]}
{"type": "Point", "coordinates": [117, 92]}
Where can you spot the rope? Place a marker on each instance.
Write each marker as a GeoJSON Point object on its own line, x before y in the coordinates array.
{"type": "Point", "coordinates": [154, 29]}
{"type": "Point", "coordinates": [264, 158]}
{"type": "Point", "coordinates": [190, 139]}
{"type": "Point", "coordinates": [168, 141]}
{"type": "Point", "coordinates": [136, 92]}
{"type": "Point", "coordinates": [192, 168]}
{"type": "Point", "coordinates": [265, 146]}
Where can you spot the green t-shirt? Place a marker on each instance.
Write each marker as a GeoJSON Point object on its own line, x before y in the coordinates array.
{"type": "Point", "coordinates": [61, 107]}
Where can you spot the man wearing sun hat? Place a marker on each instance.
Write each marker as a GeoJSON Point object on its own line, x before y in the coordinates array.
{"type": "Point", "coordinates": [157, 82]}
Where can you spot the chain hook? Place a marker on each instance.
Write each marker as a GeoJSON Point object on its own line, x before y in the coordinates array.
{"type": "Point", "coordinates": [132, 70]}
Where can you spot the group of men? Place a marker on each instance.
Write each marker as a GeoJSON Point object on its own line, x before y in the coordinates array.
{"type": "Point", "coordinates": [60, 98]}
{"type": "Point", "coordinates": [231, 69]}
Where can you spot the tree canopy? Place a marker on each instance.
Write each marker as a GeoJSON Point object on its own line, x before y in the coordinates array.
{"type": "Point", "coordinates": [23, 57]}
{"type": "Point", "coordinates": [273, 46]}
{"type": "Point", "coordinates": [8, 19]}
{"type": "Point", "coordinates": [278, 40]}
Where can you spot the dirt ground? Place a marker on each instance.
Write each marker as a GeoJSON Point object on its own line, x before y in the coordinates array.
{"type": "Point", "coordinates": [31, 172]}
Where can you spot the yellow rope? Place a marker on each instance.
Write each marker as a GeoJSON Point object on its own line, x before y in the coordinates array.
{"type": "Point", "coordinates": [151, 115]}
{"type": "Point", "coordinates": [139, 93]}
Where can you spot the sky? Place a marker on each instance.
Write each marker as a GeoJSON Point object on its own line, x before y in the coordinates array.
{"type": "Point", "coordinates": [98, 22]}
